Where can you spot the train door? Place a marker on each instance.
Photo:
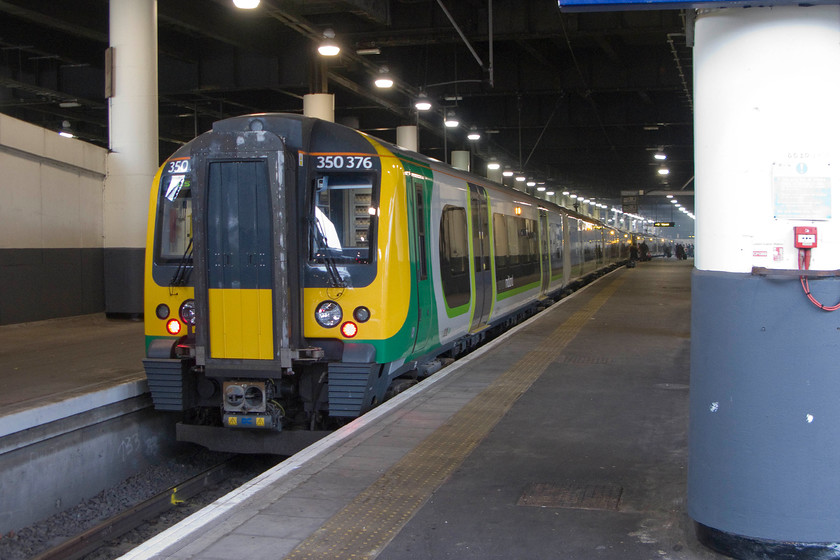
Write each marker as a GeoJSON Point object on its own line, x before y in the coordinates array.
{"type": "Point", "coordinates": [483, 300]}
{"type": "Point", "coordinates": [239, 260]}
{"type": "Point", "coordinates": [425, 293]}
{"type": "Point", "coordinates": [544, 252]}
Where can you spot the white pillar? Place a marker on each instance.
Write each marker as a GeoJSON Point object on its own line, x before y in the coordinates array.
{"type": "Point", "coordinates": [763, 450]}
{"type": "Point", "coordinates": [461, 160]}
{"type": "Point", "coordinates": [407, 137]}
{"type": "Point", "coordinates": [134, 157]}
{"type": "Point", "coordinates": [319, 105]}
{"type": "Point", "coordinates": [766, 81]}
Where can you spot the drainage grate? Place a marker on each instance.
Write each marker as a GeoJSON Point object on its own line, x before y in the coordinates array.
{"type": "Point", "coordinates": [605, 496]}
{"type": "Point", "coordinates": [586, 360]}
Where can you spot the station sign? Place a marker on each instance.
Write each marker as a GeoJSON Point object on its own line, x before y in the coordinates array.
{"type": "Point", "coordinates": [663, 224]}
{"type": "Point", "coordinates": [624, 5]}
{"type": "Point", "coordinates": [630, 204]}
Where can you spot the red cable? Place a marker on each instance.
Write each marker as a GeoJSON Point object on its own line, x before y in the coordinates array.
{"type": "Point", "coordinates": [805, 264]}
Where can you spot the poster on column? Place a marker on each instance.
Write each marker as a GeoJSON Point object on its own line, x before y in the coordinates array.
{"type": "Point", "coordinates": [801, 188]}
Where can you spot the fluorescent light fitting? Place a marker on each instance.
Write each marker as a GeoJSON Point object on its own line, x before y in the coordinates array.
{"type": "Point", "coordinates": [663, 171]}
{"type": "Point", "coordinates": [507, 173]}
{"type": "Point", "coordinates": [372, 50]}
{"type": "Point", "coordinates": [494, 165]}
{"type": "Point", "coordinates": [246, 4]}
{"type": "Point", "coordinates": [451, 120]}
{"type": "Point", "coordinates": [660, 156]}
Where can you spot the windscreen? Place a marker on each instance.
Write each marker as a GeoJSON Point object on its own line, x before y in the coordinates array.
{"type": "Point", "coordinates": [344, 219]}
{"type": "Point", "coordinates": [175, 216]}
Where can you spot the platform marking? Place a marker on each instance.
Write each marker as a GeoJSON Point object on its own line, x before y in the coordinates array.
{"type": "Point", "coordinates": [367, 524]}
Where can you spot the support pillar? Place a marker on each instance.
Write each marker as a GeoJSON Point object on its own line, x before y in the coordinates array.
{"type": "Point", "coordinates": [461, 160]}
{"type": "Point", "coordinates": [134, 157]}
{"type": "Point", "coordinates": [407, 137]}
{"type": "Point", "coordinates": [765, 420]}
{"type": "Point", "coordinates": [319, 105]}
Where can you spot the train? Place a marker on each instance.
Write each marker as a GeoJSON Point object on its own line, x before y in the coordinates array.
{"type": "Point", "coordinates": [299, 272]}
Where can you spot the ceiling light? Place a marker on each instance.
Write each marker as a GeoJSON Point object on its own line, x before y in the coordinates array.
{"type": "Point", "coordinates": [573, 196]}
{"type": "Point", "coordinates": [493, 165]}
{"type": "Point", "coordinates": [422, 103]}
{"type": "Point", "coordinates": [246, 4]}
{"type": "Point", "coordinates": [65, 130]}
{"type": "Point", "coordinates": [663, 171]}
{"type": "Point", "coordinates": [565, 193]}
{"type": "Point", "coordinates": [660, 156]}
{"type": "Point", "coordinates": [384, 79]}
{"type": "Point", "coordinates": [364, 52]}
{"type": "Point", "coordinates": [550, 193]}
{"type": "Point", "coordinates": [669, 196]}
{"type": "Point", "coordinates": [474, 134]}
{"type": "Point", "coordinates": [507, 173]}
{"type": "Point", "coordinates": [520, 178]}
{"type": "Point", "coordinates": [328, 46]}
{"type": "Point", "coordinates": [451, 120]}
{"type": "Point", "coordinates": [673, 201]}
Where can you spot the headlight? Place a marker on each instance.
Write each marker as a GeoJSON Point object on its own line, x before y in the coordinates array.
{"type": "Point", "coordinates": [328, 314]}
{"type": "Point", "coordinates": [187, 312]}
{"type": "Point", "coordinates": [361, 314]}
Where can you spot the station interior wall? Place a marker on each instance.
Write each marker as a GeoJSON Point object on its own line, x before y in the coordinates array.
{"type": "Point", "coordinates": [51, 224]}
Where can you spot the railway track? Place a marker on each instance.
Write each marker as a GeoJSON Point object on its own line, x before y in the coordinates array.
{"type": "Point", "coordinates": [111, 529]}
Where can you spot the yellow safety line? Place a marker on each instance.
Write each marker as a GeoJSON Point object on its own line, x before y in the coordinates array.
{"type": "Point", "coordinates": [367, 524]}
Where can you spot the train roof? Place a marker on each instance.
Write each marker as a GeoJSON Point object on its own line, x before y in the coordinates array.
{"type": "Point", "coordinates": [309, 133]}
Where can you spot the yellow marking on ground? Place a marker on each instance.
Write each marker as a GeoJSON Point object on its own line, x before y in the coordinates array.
{"type": "Point", "coordinates": [367, 524]}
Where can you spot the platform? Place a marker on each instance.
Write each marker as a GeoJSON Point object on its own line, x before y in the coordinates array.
{"type": "Point", "coordinates": [566, 438]}
{"type": "Point", "coordinates": [60, 367]}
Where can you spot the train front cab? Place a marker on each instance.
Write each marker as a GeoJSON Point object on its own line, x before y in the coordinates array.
{"type": "Point", "coordinates": [235, 190]}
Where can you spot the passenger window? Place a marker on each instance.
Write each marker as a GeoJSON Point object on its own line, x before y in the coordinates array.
{"type": "Point", "coordinates": [454, 256]}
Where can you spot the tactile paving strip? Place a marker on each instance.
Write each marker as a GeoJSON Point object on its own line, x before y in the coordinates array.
{"type": "Point", "coordinates": [366, 525]}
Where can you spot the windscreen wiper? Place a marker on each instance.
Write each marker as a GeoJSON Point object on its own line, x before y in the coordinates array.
{"type": "Point", "coordinates": [336, 281]}
{"type": "Point", "coordinates": [182, 273]}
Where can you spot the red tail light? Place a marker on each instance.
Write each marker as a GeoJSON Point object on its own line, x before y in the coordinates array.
{"type": "Point", "coordinates": [349, 329]}
{"type": "Point", "coordinates": [173, 327]}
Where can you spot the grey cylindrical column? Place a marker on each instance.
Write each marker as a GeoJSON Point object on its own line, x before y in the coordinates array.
{"type": "Point", "coordinates": [134, 158]}
{"type": "Point", "coordinates": [765, 387]}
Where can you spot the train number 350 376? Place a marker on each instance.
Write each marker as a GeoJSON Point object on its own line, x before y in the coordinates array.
{"type": "Point", "coordinates": [343, 162]}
